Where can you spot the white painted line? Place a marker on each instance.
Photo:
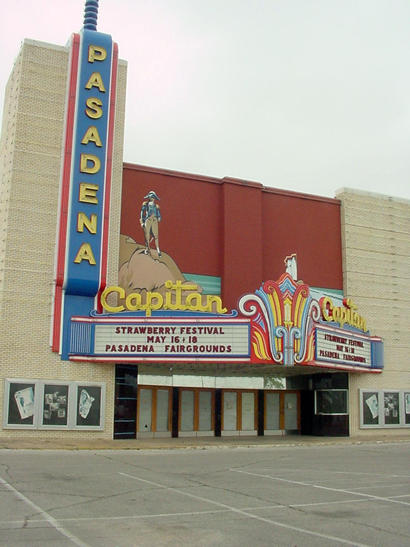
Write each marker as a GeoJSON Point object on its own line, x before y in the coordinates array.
{"type": "Point", "coordinates": [244, 512]}
{"type": "Point", "coordinates": [370, 474]}
{"type": "Point", "coordinates": [181, 514]}
{"type": "Point", "coordinates": [51, 520]}
{"type": "Point", "coordinates": [125, 517]}
{"type": "Point", "coordinates": [331, 472]}
{"type": "Point", "coordinates": [380, 485]}
{"type": "Point", "coordinates": [314, 504]}
{"type": "Point", "coordinates": [311, 485]}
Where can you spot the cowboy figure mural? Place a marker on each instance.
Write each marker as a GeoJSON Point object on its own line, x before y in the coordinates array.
{"type": "Point", "coordinates": [149, 218]}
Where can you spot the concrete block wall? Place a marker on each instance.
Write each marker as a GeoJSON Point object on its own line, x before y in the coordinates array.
{"type": "Point", "coordinates": [30, 150]}
{"type": "Point", "coordinates": [376, 266]}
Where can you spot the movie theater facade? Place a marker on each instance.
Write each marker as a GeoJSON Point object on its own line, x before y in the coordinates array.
{"type": "Point", "coordinates": [137, 301]}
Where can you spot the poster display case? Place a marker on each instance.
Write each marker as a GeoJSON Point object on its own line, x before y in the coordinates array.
{"type": "Point", "coordinates": [52, 404]}
{"type": "Point", "coordinates": [384, 408]}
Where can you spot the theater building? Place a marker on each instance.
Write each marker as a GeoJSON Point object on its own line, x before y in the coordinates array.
{"type": "Point", "coordinates": [137, 301]}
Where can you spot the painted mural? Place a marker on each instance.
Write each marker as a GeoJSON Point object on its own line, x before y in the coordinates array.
{"type": "Point", "coordinates": [145, 268]}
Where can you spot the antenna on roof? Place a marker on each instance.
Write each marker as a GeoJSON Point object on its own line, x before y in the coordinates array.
{"type": "Point", "coordinates": [91, 14]}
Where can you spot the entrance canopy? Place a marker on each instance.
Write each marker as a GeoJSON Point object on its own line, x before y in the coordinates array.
{"type": "Point", "coordinates": [282, 326]}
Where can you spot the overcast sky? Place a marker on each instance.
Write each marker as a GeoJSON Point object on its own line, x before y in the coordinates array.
{"type": "Point", "coordinates": [305, 95]}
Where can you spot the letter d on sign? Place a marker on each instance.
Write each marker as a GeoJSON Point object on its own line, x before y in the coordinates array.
{"type": "Point", "coordinates": [91, 169]}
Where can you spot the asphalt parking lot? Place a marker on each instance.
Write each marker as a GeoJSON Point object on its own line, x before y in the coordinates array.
{"type": "Point", "coordinates": [353, 494]}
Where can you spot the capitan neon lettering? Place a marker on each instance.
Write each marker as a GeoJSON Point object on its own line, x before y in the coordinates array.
{"type": "Point", "coordinates": [172, 300]}
{"type": "Point", "coordinates": [342, 315]}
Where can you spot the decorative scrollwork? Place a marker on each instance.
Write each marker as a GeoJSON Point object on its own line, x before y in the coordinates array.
{"type": "Point", "coordinates": [252, 304]}
{"type": "Point", "coordinates": [285, 313]}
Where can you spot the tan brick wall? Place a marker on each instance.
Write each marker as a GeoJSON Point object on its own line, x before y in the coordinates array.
{"type": "Point", "coordinates": [376, 265]}
{"type": "Point", "coordinates": [30, 147]}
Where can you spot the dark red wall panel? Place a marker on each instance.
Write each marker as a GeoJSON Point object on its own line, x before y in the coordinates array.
{"type": "Point", "coordinates": [308, 226]}
{"type": "Point", "coordinates": [242, 250]}
{"type": "Point", "coordinates": [237, 230]}
{"type": "Point", "coordinates": [191, 222]}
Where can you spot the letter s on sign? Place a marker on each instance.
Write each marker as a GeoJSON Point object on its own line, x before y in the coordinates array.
{"type": "Point", "coordinates": [94, 109]}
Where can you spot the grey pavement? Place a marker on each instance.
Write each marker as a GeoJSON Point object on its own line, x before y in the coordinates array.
{"type": "Point", "coordinates": [289, 493]}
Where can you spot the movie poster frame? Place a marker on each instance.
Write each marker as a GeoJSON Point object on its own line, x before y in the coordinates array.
{"type": "Point", "coordinates": [8, 383]}
{"type": "Point", "coordinates": [41, 404]}
{"type": "Point", "coordinates": [404, 417]}
{"type": "Point", "coordinates": [95, 385]}
{"type": "Point", "coordinates": [40, 386]}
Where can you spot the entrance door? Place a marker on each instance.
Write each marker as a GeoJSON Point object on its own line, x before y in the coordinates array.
{"type": "Point", "coordinates": [239, 412]}
{"type": "Point", "coordinates": [230, 412]}
{"type": "Point", "coordinates": [196, 412]}
{"type": "Point", "coordinates": [163, 411]}
{"type": "Point", "coordinates": [247, 412]}
{"type": "Point", "coordinates": [281, 412]}
{"type": "Point", "coordinates": [272, 412]}
{"type": "Point", "coordinates": [145, 410]}
{"type": "Point", "coordinates": [154, 411]}
{"type": "Point", "coordinates": [205, 412]}
{"type": "Point", "coordinates": [291, 411]}
{"type": "Point", "coordinates": [187, 410]}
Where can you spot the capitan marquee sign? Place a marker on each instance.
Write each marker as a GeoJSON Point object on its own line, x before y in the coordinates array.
{"type": "Point", "coordinates": [280, 324]}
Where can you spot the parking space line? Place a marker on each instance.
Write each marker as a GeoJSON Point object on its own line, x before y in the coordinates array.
{"type": "Point", "coordinates": [122, 517]}
{"type": "Point", "coordinates": [185, 513]}
{"type": "Point", "coordinates": [319, 486]}
{"type": "Point", "coordinates": [379, 485]}
{"type": "Point", "coordinates": [46, 516]}
{"type": "Point", "coordinates": [315, 470]}
{"type": "Point", "coordinates": [371, 474]}
{"type": "Point", "coordinates": [243, 512]}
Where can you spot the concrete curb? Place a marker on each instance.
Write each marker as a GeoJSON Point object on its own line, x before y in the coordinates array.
{"type": "Point", "coordinates": [192, 443]}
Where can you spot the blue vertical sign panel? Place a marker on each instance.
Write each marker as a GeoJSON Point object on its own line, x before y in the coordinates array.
{"type": "Point", "coordinates": [86, 207]}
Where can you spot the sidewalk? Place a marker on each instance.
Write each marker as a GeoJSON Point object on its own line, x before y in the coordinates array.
{"type": "Point", "coordinates": [200, 443]}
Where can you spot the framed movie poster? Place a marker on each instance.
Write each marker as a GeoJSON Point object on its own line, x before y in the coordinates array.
{"type": "Point", "coordinates": [20, 400]}
{"type": "Point", "coordinates": [370, 408]}
{"type": "Point", "coordinates": [407, 407]}
{"type": "Point", "coordinates": [391, 408]}
{"type": "Point", "coordinates": [20, 404]}
{"type": "Point", "coordinates": [89, 406]}
{"type": "Point", "coordinates": [55, 405]}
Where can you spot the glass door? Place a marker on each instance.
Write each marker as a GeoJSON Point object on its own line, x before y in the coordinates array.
{"type": "Point", "coordinates": [282, 412]}
{"type": "Point", "coordinates": [196, 412]}
{"type": "Point", "coordinates": [154, 411]}
{"type": "Point", "coordinates": [230, 411]}
{"type": "Point", "coordinates": [248, 412]}
{"type": "Point", "coordinates": [272, 412]}
{"type": "Point", "coordinates": [205, 412]}
{"type": "Point", "coordinates": [291, 411]}
{"type": "Point", "coordinates": [187, 410]}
